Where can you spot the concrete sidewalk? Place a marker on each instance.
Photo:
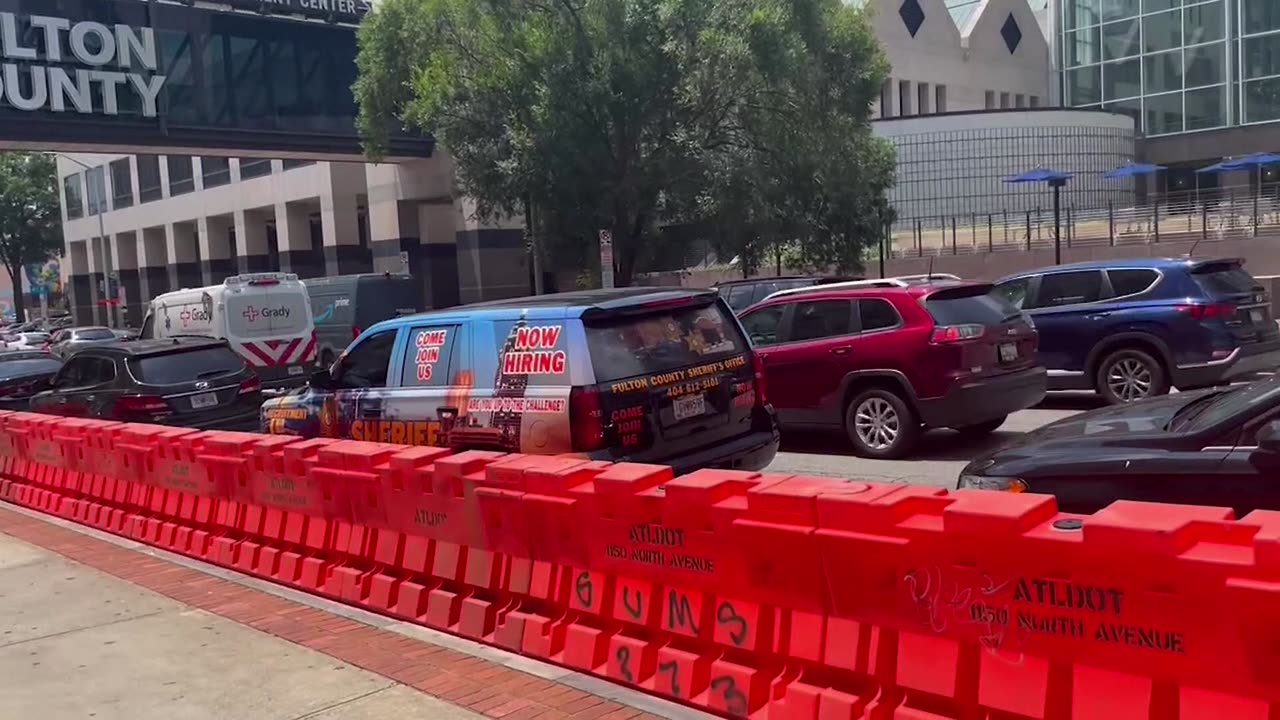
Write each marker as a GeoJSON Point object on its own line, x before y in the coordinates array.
{"type": "Point", "coordinates": [96, 626]}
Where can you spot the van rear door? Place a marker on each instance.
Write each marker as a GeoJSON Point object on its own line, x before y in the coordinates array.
{"type": "Point", "coordinates": [270, 325]}
{"type": "Point", "coordinates": [673, 377]}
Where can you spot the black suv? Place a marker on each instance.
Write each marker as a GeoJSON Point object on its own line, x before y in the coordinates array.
{"type": "Point", "coordinates": [193, 382]}
{"type": "Point", "coordinates": [742, 294]}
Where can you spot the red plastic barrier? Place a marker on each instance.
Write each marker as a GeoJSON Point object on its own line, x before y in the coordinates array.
{"type": "Point", "coordinates": [767, 596]}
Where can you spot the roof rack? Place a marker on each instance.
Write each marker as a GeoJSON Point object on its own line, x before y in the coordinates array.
{"type": "Point", "coordinates": [900, 281]}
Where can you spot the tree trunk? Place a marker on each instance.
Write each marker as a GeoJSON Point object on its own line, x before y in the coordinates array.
{"type": "Point", "coordinates": [19, 302]}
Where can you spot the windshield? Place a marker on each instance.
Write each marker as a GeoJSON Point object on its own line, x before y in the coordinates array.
{"type": "Point", "coordinates": [95, 334]}
{"type": "Point", "coordinates": [1225, 279]}
{"type": "Point", "coordinates": [11, 369]}
{"type": "Point", "coordinates": [662, 341]}
{"type": "Point", "coordinates": [971, 306]}
{"type": "Point", "coordinates": [1252, 399]}
{"type": "Point", "coordinates": [181, 367]}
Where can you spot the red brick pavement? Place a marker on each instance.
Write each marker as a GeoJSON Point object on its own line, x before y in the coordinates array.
{"type": "Point", "coordinates": [482, 686]}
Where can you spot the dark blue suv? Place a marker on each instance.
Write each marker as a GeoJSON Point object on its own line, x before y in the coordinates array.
{"type": "Point", "coordinates": [1131, 329]}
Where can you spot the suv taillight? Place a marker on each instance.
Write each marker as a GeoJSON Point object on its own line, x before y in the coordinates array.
{"type": "Point", "coordinates": [355, 332]}
{"type": "Point", "coordinates": [957, 333]}
{"type": "Point", "coordinates": [250, 385]}
{"type": "Point", "coordinates": [139, 404]}
{"type": "Point", "coordinates": [1207, 312]}
{"type": "Point", "coordinates": [757, 370]}
{"type": "Point", "coordinates": [586, 418]}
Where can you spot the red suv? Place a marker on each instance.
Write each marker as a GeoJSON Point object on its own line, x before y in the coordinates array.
{"type": "Point", "coordinates": [886, 359]}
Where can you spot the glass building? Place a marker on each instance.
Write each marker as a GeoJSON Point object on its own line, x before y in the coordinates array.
{"type": "Point", "coordinates": [1177, 66]}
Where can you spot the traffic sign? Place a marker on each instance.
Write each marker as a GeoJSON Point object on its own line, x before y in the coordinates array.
{"type": "Point", "coordinates": [606, 258]}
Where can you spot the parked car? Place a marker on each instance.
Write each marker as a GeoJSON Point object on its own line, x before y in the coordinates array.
{"type": "Point", "coordinates": [741, 294]}
{"type": "Point", "coordinates": [1216, 446]}
{"type": "Point", "coordinates": [1131, 329]}
{"type": "Point", "coordinates": [69, 340]}
{"type": "Point", "coordinates": [23, 373]}
{"type": "Point", "coordinates": [28, 341]}
{"type": "Point", "coordinates": [655, 375]}
{"type": "Point", "coordinates": [265, 317]}
{"type": "Point", "coordinates": [192, 382]}
{"type": "Point", "coordinates": [346, 304]}
{"type": "Point", "coordinates": [884, 359]}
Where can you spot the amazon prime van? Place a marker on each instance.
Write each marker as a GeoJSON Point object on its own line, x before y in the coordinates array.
{"type": "Point", "coordinates": [265, 317]}
{"type": "Point", "coordinates": [346, 305]}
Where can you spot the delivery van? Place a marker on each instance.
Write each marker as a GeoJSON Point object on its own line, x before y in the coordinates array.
{"type": "Point", "coordinates": [265, 317]}
{"type": "Point", "coordinates": [345, 305]}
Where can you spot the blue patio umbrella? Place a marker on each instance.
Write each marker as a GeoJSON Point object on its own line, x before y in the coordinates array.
{"type": "Point", "coordinates": [1133, 169]}
{"type": "Point", "coordinates": [1056, 179]}
{"type": "Point", "coordinates": [1253, 161]}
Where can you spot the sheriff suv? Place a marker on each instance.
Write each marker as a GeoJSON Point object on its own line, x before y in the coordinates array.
{"type": "Point", "coordinates": [885, 359]}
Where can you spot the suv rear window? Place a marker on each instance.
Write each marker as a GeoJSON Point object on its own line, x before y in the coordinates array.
{"type": "Point", "coordinates": [180, 367]}
{"type": "Point", "coordinates": [94, 334]}
{"type": "Point", "coordinates": [661, 342]}
{"type": "Point", "coordinates": [976, 305]}
{"type": "Point", "coordinates": [1224, 279]}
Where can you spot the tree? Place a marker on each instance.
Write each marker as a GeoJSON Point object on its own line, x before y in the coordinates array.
{"type": "Point", "coordinates": [748, 116]}
{"type": "Point", "coordinates": [30, 219]}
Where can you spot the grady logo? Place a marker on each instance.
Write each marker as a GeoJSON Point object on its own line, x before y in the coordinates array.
{"type": "Point", "coordinates": [252, 313]}
{"type": "Point", "coordinates": [189, 316]}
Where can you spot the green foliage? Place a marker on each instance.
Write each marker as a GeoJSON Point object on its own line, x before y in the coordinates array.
{"type": "Point", "coordinates": [745, 116]}
{"type": "Point", "coordinates": [30, 218]}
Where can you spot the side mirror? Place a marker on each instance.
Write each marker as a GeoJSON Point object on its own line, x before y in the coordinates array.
{"type": "Point", "coordinates": [1269, 440]}
{"type": "Point", "coordinates": [321, 380]}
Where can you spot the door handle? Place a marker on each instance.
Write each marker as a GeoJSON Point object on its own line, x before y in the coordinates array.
{"type": "Point", "coordinates": [1099, 316]}
{"type": "Point", "coordinates": [842, 350]}
{"type": "Point", "coordinates": [62, 401]}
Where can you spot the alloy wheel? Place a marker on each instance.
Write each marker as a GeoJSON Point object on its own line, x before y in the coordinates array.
{"type": "Point", "coordinates": [1129, 379]}
{"type": "Point", "coordinates": [876, 423]}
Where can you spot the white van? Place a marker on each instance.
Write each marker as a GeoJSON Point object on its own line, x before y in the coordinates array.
{"type": "Point", "coordinates": [265, 317]}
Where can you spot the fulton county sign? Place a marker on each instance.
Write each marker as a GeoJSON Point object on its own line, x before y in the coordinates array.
{"type": "Point", "coordinates": [112, 61]}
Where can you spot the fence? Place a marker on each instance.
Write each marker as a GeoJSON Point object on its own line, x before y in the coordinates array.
{"type": "Point", "coordinates": [1186, 219]}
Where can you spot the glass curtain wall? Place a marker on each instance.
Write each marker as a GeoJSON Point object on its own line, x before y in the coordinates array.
{"type": "Point", "coordinates": [1260, 60]}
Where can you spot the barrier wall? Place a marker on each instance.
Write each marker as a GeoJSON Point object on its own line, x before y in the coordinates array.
{"type": "Point", "coordinates": [763, 596]}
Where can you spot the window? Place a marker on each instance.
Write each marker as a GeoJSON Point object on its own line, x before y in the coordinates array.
{"type": "Point", "coordinates": [149, 178]}
{"type": "Point", "coordinates": [180, 175]}
{"type": "Point", "coordinates": [1019, 100]}
{"type": "Point", "coordinates": [940, 98]}
{"type": "Point", "coordinates": [1116, 9]}
{"type": "Point", "coordinates": [762, 325]}
{"type": "Point", "coordinates": [291, 164]}
{"type": "Point", "coordinates": [904, 97]}
{"type": "Point", "coordinates": [1014, 291]}
{"type": "Point", "coordinates": [969, 305]}
{"type": "Point", "coordinates": [1083, 47]}
{"type": "Point", "coordinates": [1164, 72]}
{"type": "Point", "coordinates": [428, 356]}
{"type": "Point", "coordinates": [1162, 31]}
{"type": "Point", "coordinates": [1204, 23]}
{"type": "Point", "coordinates": [1218, 279]}
{"type": "Point", "coordinates": [1034, 101]}
{"type": "Point", "coordinates": [93, 334]}
{"type": "Point", "coordinates": [121, 183]}
{"type": "Point", "coordinates": [1069, 288]}
{"type": "Point", "coordinates": [73, 196]}
{"type": "Point", "coordinates": [96, 188]}
{"type": "Point", "coordinates": [739, 296]}
{"type": "Point", "coordinates": [990, 97]}
{"type": "Point", "coordinates": [821, 319]}
{"type": "Point", "coordinates": [1120, 40]}
{"type": "Point", "coordinates": [254, 167]}
{"type": "Point", "coordinates": [1163, 114]}
{"type": "Point", "coordinates": [1262, 56]}
{"type": "Point", "coordinates": [1205, 64]}
{"type": "Point", "coordinates": [183, 367]}
{"type": "Point", "coordinates": [215, 171]}
{"type": "Point", "coordinates": [1004, 101]}
{"type": "Point", "coordinates": [1131, 282]}
{"type": "Point", "coordinates": [886, 98]}
{"type": "Point", "coordinates": [1261, 15]}
{"type": "Point", "coordinates": [877, 315]}
{"type": "Point", "coordinates": [1206, 108]}
{"type": "Point", "coordinates": [365, 365]}
{"type": "Point", "coordinates": [922, 98]}
{"type": "Point", "coordinates": [658, 342]}
{"type": "Point", "coordinates": [100, 371]}
{"type": "Point", "coordinates": [75, 373]}
{"type": "Point", "coordinates": [1084, 85]}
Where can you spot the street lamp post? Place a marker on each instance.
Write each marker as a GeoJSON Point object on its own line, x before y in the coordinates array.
{"type": "Point", "coordinates": [102, 233]}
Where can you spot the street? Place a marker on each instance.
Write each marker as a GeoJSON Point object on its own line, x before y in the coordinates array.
{"type": "Point", "coordinates": [941, 457]}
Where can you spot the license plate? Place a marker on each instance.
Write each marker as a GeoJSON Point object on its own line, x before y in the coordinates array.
{"type": "Point", "coordinates": [204, 400]}
{"type": "Point", "coordinates": [1008, 352]}
{"type": "Point", "coordinates": [690, 406]}
{"type": "Point", "coordinates": [296, 370]}
{"type": "Point", "coordinates": [1257, 316]}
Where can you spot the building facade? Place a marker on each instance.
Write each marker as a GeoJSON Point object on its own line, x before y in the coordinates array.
{"type": "Point", "coordinates": [136, 226]}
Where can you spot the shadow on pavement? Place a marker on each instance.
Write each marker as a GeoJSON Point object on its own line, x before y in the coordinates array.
{"type": "Point", "coordinates": [935, 445]}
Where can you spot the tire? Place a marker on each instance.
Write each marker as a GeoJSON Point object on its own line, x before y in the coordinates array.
{"type": "Point", "coordinates": [1130, 374]}
{"type": "Point", "coordinates": [881, 425]}
{"type": "Point", "coordinates": [981, 429]}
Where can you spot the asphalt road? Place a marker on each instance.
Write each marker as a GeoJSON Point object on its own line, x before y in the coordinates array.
{"type": "Point", "coordinates": [938, 461]}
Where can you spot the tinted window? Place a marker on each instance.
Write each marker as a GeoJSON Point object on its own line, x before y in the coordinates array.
{"type": "Point", "coordinates": [74, 373]}
{"type": "Point", "coordinates": [662, 342]}
{"type": "Point", "coordinates": [1253, 398]}
{"type": "Point", "coordinates": [877, 314]}
{"type": "Point", "coordinates": [182, 367]}
{"type": "Point", "coordinates": [426, 362]}
{"type": "Point", "coordinates": [740, 296]}
{"type": "Point", "coordinates": [99, 370]}
{"type": "Point", "coordinates": [1069, 288]}
{"type": "Point", "coordinates": [762, 325]}
{"type": "Point", "coordinates": [365, 365]}
{"type": "Point", "coordinates": [94, 334]}
{"type": "Point", "coordinates": [21, 368]}
{"type": "Point", "coordinates": [1014, 292]}
{"type": "Point", "coordinates": [1225, 279]}
{"type": "Point", "coordinates": [969, 306]}
{"type": "Point", "coordinates": [821, 319]}
{"type": "Point", "coordinates": [1131, 282]}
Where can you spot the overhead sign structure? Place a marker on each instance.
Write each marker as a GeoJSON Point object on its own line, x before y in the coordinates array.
{"type": "Point", "coordinates": [334, 10]}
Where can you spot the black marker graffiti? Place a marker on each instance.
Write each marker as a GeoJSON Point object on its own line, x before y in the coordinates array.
{"type": "Point", "coordinates": [734, 701]}
{"type": "Point", "coordinates": [634, 612]}
{"type": "Point", "coordinates": [624, 657]}
{"type": "Point", "coordinates": [680, 612]}
{"type": "Point", "coordinates": [584, 589]}
{"type": "Point", "coordinates": [726, 614]}
{"type": "Point", "coordinates": [674, 668]}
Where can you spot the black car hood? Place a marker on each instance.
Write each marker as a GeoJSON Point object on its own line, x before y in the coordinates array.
{"type": "Point", "coordinates": [1096, 434]}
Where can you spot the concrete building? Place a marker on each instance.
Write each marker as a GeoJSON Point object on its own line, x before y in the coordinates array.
{"type": "Point", "coordinates": [139, 225]}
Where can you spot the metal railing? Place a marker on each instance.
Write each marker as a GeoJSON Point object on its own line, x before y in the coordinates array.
{"type": "Point", "coordinates": [1229, 216]}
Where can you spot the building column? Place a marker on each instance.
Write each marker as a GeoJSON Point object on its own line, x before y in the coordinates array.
{"type": "Point", "coordinates": [293, 237]}
{"type": "Point", "coordinates": [437, 228]}
{"type": "Point", "coordinates": [217, 250]}
{"type": "Point", "coordinates": [183, 248]}
{"type": "Point", "coordinates": [80, 294]}
{"type": "Point", "coordinates": [97, 279]}
{"type": "Point", "coordinates": [251, 241]}
{"type": "Point", "coordinates": [153, 263]}
{"type": "Point", "coordinates": [340, 223]}
{"type": "Point", "coordinates": [125, 260]}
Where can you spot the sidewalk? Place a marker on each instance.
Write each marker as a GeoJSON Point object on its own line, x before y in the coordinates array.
{"type": "Point", "coordinates": [97, 627]}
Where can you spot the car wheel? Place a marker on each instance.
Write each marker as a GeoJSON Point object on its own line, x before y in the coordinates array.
{"type": "Point", "coordinates": [1128, 375]}
{"type": "Point", "coordinates": [881, 425]}
{"type": "Point", "coordinates": [981, 429]}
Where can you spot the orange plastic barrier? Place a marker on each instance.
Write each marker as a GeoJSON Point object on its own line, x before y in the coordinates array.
{"type": "Point", "coordinates": [749, 595]}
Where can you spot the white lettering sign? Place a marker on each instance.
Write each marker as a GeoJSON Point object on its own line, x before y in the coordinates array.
{"type": "Point", "coordinates": [120, 62]}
